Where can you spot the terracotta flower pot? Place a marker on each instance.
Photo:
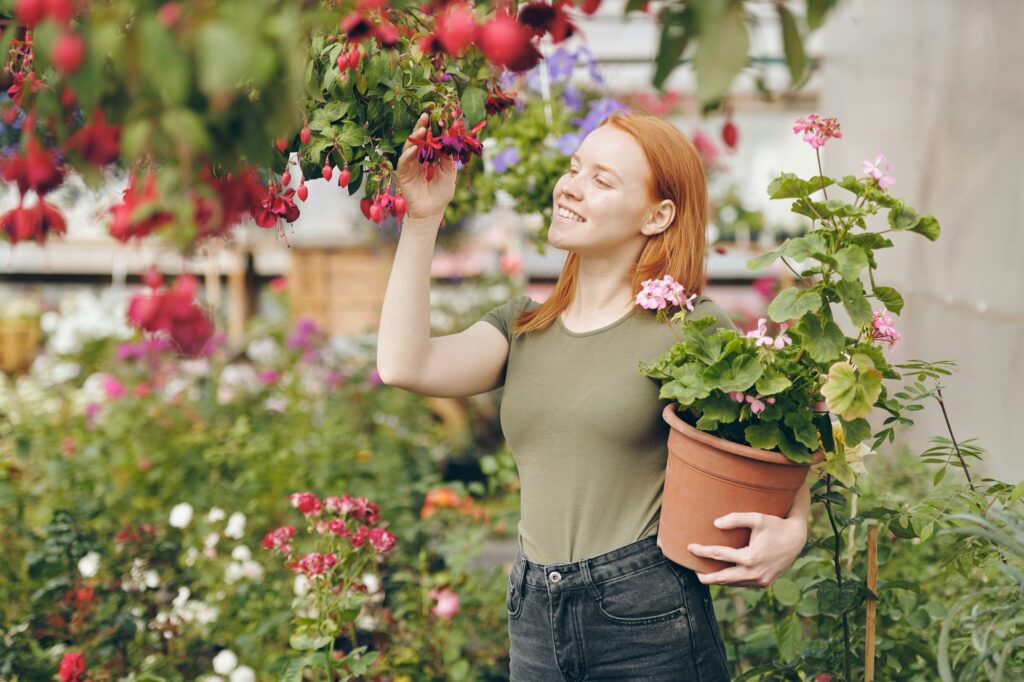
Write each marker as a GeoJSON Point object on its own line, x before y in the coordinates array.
{"type": "Point", "coordinates": [708, 477]}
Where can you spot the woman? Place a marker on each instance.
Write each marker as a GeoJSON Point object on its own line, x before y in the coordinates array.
{"type": "Point", "coordinates": [591, 595]}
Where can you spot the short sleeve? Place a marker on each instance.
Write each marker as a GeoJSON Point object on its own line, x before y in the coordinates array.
{"type": "Point", "coordinates": [704, 307]}
{"type": "Point", "coordinates": [504, 315]}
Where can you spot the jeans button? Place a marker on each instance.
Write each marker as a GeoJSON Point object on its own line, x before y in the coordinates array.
{"type": "Point", "coordinates": [555, 576]}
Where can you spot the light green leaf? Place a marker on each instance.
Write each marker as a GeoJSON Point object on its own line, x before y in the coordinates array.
{"type": "Point", "coordinates": [472, 100]}
{"type": "Point", "coordinates": [786, 592]}
{"type": "Point", "coordinates": [851, 394]}
{"type": "Point", "coordinates": [802, 248]}
{"type": "Point", "coordinates": [792, 44]}
{"type": "Point", "coordinates": [792, 303]}
{"type": "Point", "coordinates": [224, 58]}
{"type": "Point", "coordinates": [823, 343]}
{"type": "Point", "coordinates": [855, 431]}
{"type": "Point", "coordinates": [764, 260]}
{"type": "Point", "coordinates": [789, 637]}
{"type": "Point", "coordinates": [721, 53]}
{"type": "Point", "coordinates": [772, 382]}
{"type": "Point", "coordinates": [851, 261]}
{"type": "Point", "coordinates": [803, 428]}
{"type": "Point", "coordinates": [686, 388]}
{"type": "Point", "coordinates": [928, 227]}
{"type": "Point", "coordinates": [763, 436]}
{"type": "Point", "coordinates": [838, 467]}
{"type": "Point", "coordinates": [854, 301]}
{"type": "Point", "coordinates": [737, 375]}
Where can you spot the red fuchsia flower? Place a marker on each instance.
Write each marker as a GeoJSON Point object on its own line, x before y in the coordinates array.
{"type": "Point", "coordinates": [278, 539]}
{"type": "Point", "coordinates": [447, 603]}
{"type": "Point", "coordinates": [817, 130]}
{"type": "Point", "coordinates": [730, 135]}
{"type": "Point", "coordinates": [761, 339]}
{"type": "Point", "coordinates": [879, 172]}
{"type": "Point", "coordinates": [68, 52]}
{"type": "Point", "coordinates": [706, 148]}
{"type": "Point", "coordinates": [356, 28]}
{"type": "Point", "coordinates": [429, 153]}
{"type": "Point", "coordinates": [36, 169]}
{"type": "Point", "coordinates": [658, 294]}
{"type": "Point", "coordinates": [456, 27]}
{"type": "Point", "coordinates": [499, 101]}
{"type": "Point", "coordinates": [36, 222]}
{"type": "Point", "coordinates": [72, 667]}
{"type": "Point", "coordinates": [459, 144]}
{"type": "Point", "coordinates": [96, 142]}
{"type": "Point", "coordinates": [138, 214]}
{"type": "Point", "coordinates": [882, 329]}
{"type": "Point", "coordinates": [314, 564]}
{"type": "Point", "coordinates": [382, 540]}
{"type": "Point", "coordinates": [360, 537]}
{"type": "Point", "coordinates": [506, 42]}
{"type": "Point", "coordinates": [766, 286]}
{"type": "Point", "coordinates": [175, 313]}
{"type": "Point", "coordinates": [273, 206]}
{"type": "Point", "coordinates": [542, 18]}
{"type": "Point", "coordinates": [307, 503]}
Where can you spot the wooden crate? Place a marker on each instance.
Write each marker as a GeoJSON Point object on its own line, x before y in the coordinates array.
{"type": "Point", "coordinates": [19, 343]}
{"type": "Point", "coordinates": [342, 289]}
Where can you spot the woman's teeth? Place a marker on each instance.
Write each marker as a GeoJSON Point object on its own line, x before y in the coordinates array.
{"type": "Point", "coordinates": [570, 215]}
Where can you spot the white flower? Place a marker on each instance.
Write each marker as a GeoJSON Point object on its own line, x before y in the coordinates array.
{"type": "Point", "coordinates": [253, 570]}
{"type": "Point", "coordinates": [211, 540]}
{"type": "Point", "coordinates": [89, 564]}
{"type": "Point", "coordinates": [181, 515]}
{"type": "Point", "coordinates": [232, 573]}
{"type": "Point", "coordinates": [301, 586]}
{"type": "Point", "coordinates": [241, 553]}
{"type": "Point", "coordinates": [236, 526]}
{"type": "Point", "coordinates": [263, 351]}
{"type": "Point", "coordinates": [216, 514]}
{"type": "Point", "coordinates": [183, 594]}
{"type": "Point", "coordinates": [243, 673]}
{"type": "Point", "coordinates": [152, 579]}
{"type": "Point", "coordinates": [225, 662]}
{"type": "Point", "coordinates": [371, 582]}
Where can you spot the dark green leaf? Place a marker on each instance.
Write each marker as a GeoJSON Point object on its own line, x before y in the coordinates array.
{"type": "Point", "coordinates": [854, 301]}
{"type": "Point", "coordinates": [855, 431]}
{"type": "Point", "coordinates": [890, 298]}
{"type": "Point", "coordinates": [792, 44]}
{"type": "Point", "coordinates": [763, 436]}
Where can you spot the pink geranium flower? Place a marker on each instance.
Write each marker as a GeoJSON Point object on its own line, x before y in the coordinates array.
{"type": "Point", "coordinates": [447, 603]}
{"type": "Point", "coordinates": [761, 338]}
{"type": "Point", "coordinates": [879, 170]}
{"type": "Point", "coordinates": [882, 329]}
{"type": "Point", "coordinates": [817, 130]}
{"type": "Point", "coordinates": [112, 388]}
{"type": "Point", "coordinates": [658, 294]}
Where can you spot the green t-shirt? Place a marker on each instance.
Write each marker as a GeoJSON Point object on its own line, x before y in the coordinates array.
{"type": "Point", "coordinates": [586, 431]}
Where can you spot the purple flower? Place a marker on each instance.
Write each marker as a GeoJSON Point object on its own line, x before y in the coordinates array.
{"type": "Point", "coordinates": [569, 143]}
{"type": "Point", "coordinates": [561, 64]}
{"type": "Point", "coordinates": [303, 334]}
{"type": "Point", "coordinates": [373, 378]}
{"type": "Point", "coordinates": [505, 159]}
{"type": "Point", "coordinates": [508, 80]}
{"type": "Point", "coordinates": [335, 379]}
{"type": "Point", "coordinates": [599, 109]}
{"type": "Point", "coordinates": [270, 376]}
{"type": "Point", "coordinates": [571, 97]}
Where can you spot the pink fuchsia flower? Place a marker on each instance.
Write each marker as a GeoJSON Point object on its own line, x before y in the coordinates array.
{"type": "Point", "coordinates": [882, 329]}
{"type": "Point", "coordinates": [278, 539]}
{"type": "Point", "coordinates": [314, 564]}
{"type": "Point", "coordinates": [447, 603]}
{"type": "Point", "coordinates": [817, 130]}
{"type": "Point", "coordinates": [307, 503]}
{"type": "Point", "coordinates": [879, 171]}
{"type": "Point", "coordinates": [112, 388]}
{"type": "Point", "coordinates": [72, 667]}
{"type": "Point", "coordinates": [382, 540]}
{"type": "Point", "coordinates": [658, 294]}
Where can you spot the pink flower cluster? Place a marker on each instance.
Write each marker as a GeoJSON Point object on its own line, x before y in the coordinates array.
{"type": "Point", "coordinates": [882, 329]}
{"type": "Point", "coordinates": [759, 334]}
{"type": "Point", "coordinates": [879, 171]}
{"type": "Point", "coordinates": [447, 603]}
{"type": "Point", "coordinates": [314, 564]}
{"type": "Point", "coordinates": [658, 294]}
{"type": "Point", "coordinates": [756, 405]}
{"type": "Point", "coordinates": [278, 539]}
{"type": "Point", "coordinates": [817, 130]}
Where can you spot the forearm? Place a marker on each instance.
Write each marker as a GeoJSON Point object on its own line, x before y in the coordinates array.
{"type": "Point", "coordinates": [802, 504]}
{"type": "Point", "coordinates": [403, 337]}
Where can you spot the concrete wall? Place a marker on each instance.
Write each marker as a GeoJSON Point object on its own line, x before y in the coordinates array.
{"type": "Point", "coordinates": [936, 86]}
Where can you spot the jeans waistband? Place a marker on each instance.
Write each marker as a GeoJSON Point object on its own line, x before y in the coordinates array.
{"type": "Point", "coordinates": [604, 567]}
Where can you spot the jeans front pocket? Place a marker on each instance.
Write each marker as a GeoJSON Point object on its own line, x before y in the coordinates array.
{"type": "Point", "coordinates": [650, 595]}
{"type": "Point", "coordinates": [514, 595]}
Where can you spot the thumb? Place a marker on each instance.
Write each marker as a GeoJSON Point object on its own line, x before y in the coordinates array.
{"type": "Point", "coordinates": [739, 520]}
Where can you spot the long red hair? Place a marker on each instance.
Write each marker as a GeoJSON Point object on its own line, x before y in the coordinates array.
{"type": "Point", "coordinates": [679, 250]}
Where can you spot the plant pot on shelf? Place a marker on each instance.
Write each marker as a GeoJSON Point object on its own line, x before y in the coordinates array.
{"type": "Point", "coordinates": [708, 477]}
{"type": "Point", "coordinates": [19, 344]}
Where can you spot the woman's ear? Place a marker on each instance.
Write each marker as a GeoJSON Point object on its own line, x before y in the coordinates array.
{"type": "Point", "coordinates": [660, 218]}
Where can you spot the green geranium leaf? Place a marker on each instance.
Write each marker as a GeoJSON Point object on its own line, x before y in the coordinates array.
{"type": "Point", "coordinates": [765, 259]}
{"type": "Point", "coordinates": [792, 449]}
{"type": "Point", "coordinates": [823, 343]}
{"type": "Point", "coordinates": [720, 408]}
{"type": "Point", "coordinates": [842, 209]}
{"type": "Point", "coordinates": [737, 374]}
{"type": "Point", "coordinates": [772, 382]}
{"type": "Point", "coordinates": [902, 217]}
{"type": "Point", "coordinates": [852, 183]}
{"type": "Point", "coordinates": [854, 301]}
{"type": "Point", "coordinates": [763, 436]}
{"type": "Point", "coordinates": [855, 431]}
{"type": "Point", "coordinates": [838, 467]}
{"type": "Point", "coordinates": [789, 186]}
{"type": "Point", "coordinates": [890, 298]}
{"type": "Point", "coordinates": [802, 424]}
{"type": "Point", "coordinates": [304, 641]}
{"type": "Point", "coordinates": [928, 227]}
{"type": "Point", "coordinates": [850, 262]}
{"type": "Point", "coordinates": [792, 303]}
{"type": "Point", "coordinates": [850, 393]}
{"type": "Point", "coordinates": [802, 248]}
{"type": "Point", "coordinates": [870, 240]}
{"type": "Point", "coordinates": [686, 387]}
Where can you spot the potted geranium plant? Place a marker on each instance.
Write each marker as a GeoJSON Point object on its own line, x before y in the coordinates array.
{"type": "Point", "coordinates": [751, 411]}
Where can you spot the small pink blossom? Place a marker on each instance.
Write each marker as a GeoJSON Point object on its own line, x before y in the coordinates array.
{"type": "Point", "coordinates": [761, 339]}
{"type": "Point", "coordinates": [381, 539]}
{"type": "Point", "coordinates": [817, 130]}
{"type": "Point", "coordinates": [314, 564]}
{"type": "Point", "coordinates": [337, 526]}
{"type": "Point", "coordinates": [112, 388]}
{"type": "Point", "coordinates": [879, 171]}
{"type": "Point", "coordinates": [278, 539]}
{"type": "Point", "coordinates": [307, 503]}
{"type": "Point", "coordinates": [738, 396]}
{"type": "Point", "coordinates": [359, 538]}
{"type": "Point", "coordinates": [447, 603]}
{"type": "Point", "coordinates": [882, 329]}
{"type": "Point", "coordinates": [658, 294]}
{"type": "Point", "coordinates": [270, 376]}
{"type": "Point", "coordinates": [373, 378]}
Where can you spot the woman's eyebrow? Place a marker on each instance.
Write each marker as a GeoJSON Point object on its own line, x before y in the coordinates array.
{"type": "Point", "coordinates": [602, 167]}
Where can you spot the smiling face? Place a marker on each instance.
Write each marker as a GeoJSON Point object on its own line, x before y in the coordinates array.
{"type": "Point", "coordinates": [606, 183]}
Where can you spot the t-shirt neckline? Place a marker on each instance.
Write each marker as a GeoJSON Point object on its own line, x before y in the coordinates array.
{"type": "Point", "coordinates": [591, 332]}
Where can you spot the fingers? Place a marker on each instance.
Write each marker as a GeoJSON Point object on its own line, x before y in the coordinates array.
{"type": "Point", "coordinates": [719, 552]}
{"type": "Point", "coordinates": [419, 131]}
{"type": "Point", "coordinates": [739, 520]}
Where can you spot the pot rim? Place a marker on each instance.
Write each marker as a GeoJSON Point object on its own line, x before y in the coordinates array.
{"type": "Point", "coordinates": [670, 416]}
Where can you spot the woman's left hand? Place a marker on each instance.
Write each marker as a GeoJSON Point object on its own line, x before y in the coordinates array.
{"type": "Point", "coordinates": [775, 543]}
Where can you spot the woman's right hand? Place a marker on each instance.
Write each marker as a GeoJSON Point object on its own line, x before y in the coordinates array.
{"type": "Point", "coordinates": [424, 199]}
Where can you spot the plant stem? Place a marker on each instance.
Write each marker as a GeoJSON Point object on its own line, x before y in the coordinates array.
{"type": "Point", "coordinates": [839, 576]}
{"type": "Point", "coordinates": [821, 175]}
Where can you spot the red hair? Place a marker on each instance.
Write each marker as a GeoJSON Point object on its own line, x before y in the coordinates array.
{"type": "Point", "coordinates": [679, 250]}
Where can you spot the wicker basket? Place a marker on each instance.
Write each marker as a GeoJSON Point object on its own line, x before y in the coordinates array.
{"type": "Point", "coordinates": [342, 289]}
{"type": "Point", "coordinates": [19, 343]}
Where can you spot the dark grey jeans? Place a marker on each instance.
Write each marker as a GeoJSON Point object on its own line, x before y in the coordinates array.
{"type": "Point", "coordinates": [628, 614]}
